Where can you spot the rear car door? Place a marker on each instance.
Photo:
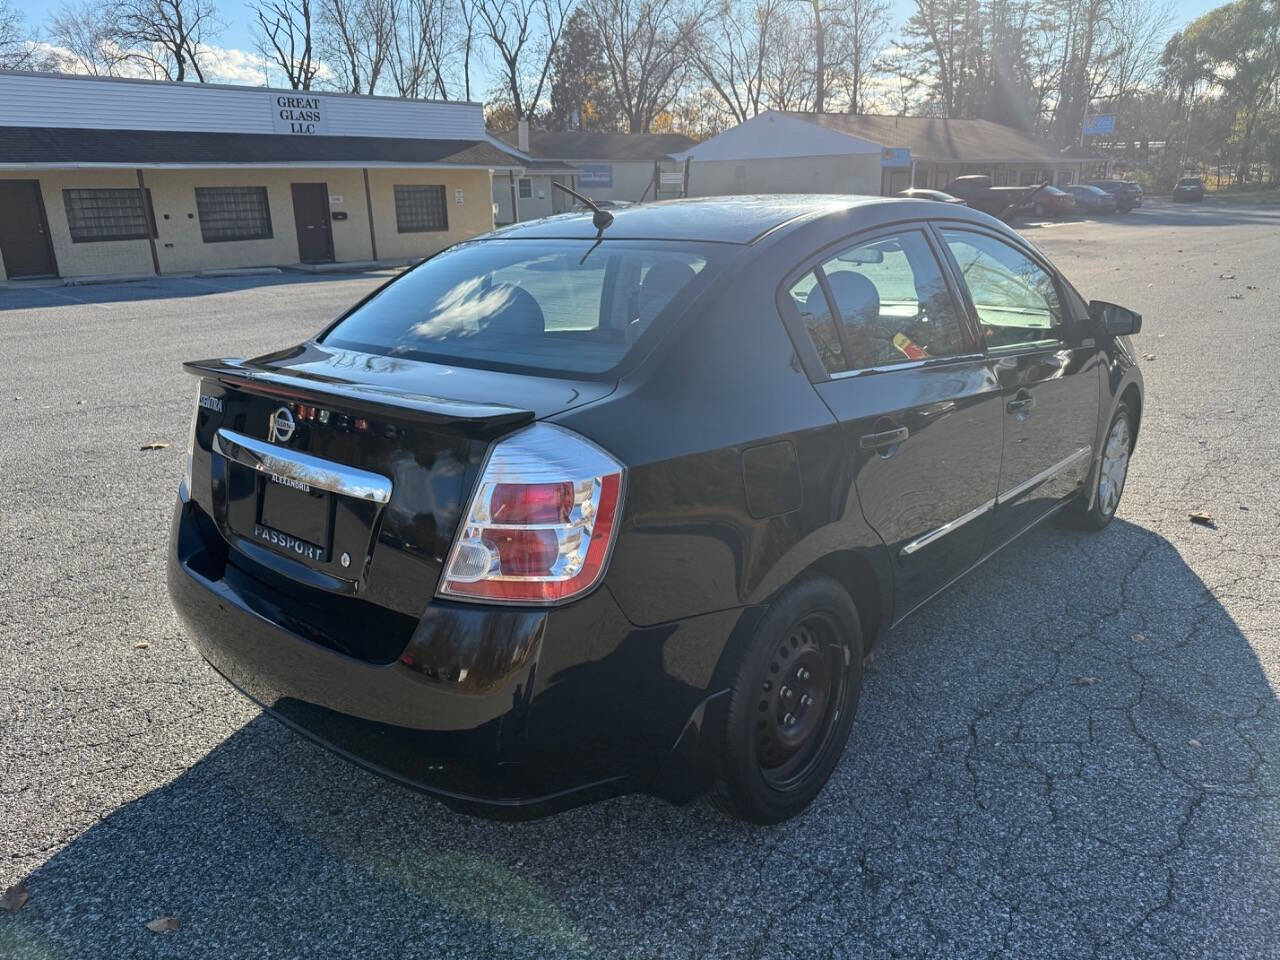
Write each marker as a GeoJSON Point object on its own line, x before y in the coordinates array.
{"type": "Point", "coordinates": [1047, 363]}
{"type": "Point", "coordinates": [903, 371]}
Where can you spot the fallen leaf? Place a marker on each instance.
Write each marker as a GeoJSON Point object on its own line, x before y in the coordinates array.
{"type": "Point", "coordinates": [153, 446]}
{"type": "Point", "coordinates": [14, 898]}
{"type": "Point", "coordinates": [164, 924]}
{"type": "Point", "coordinates": [1203, 519]}
{"type": "Point", "coordinates": [1085, 681]}
{"type": "Point", "coordinates": [1243, 507]}
{"type": "Point", "coordinates": [1235, 296]}
{"type": "Point", "coordinates": [1148, 356]}
{"type": "Point", "coordinates": [1226, 276]}
{"type": "Point", "coordinates": [1250, 286]}
{"type": "Point", "coordinates": [1138, 638]}
{"type": "Point", "coordinates": [1195, 743]}
{"type": "Point", "coordinates": [141, 645]}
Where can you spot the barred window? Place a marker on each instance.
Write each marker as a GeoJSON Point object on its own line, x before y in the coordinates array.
{"type": "Point", "coordinates": [233, 213]}
{"type": "Point", "coordinates": [420, 209]}
{"type": "Point", "coordinates": [115, 214]}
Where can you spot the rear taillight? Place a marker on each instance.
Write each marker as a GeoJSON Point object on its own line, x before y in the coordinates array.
{"type": "Point", "coordinates": [540, 523]}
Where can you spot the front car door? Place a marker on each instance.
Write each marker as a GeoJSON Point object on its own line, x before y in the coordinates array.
{"type": "Point", "coordinates": [919, 403]}
{"type": "Point", "coordinates": [1048, 367]}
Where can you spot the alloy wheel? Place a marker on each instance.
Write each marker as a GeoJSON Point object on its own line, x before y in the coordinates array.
{"type": "Point", "coordinates": [1115, 466]}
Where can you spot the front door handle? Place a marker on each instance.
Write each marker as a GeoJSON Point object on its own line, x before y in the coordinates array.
{"type": "Point", "coordinates": [885, 438]}
{"type": "Point", "coordinates": [1022, 403]}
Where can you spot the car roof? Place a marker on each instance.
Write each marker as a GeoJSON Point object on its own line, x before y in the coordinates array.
{"type": "Point", "coordinates": [736, 219]}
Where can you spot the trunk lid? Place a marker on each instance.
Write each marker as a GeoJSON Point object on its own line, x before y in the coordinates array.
{"type": "Point", "coordinates": [340, 477]}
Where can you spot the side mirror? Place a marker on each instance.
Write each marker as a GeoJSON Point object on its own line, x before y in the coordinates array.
{"type": "Point", "coordinates": [1114, 319]}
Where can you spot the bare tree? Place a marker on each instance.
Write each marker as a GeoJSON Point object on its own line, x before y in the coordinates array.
{"type": "Point", "coordinates": [732, 50]}
{"type": "Point", "coordinates": [88, 38]}
{"type": "Point", "coordinates": [285, 34]}
{"type": "Point", "coordinates": [1139, 30]}
{"type": "Point", "coordinates": [466, 37]}
{"type": "Point", "coordinates": [420, 45]}
{"type": "Point", "coordinates": [788, 78]}
{"type": "Point", "coordinates": [857, 33]}
{"type": "Point", "coordinates": [524, 34]}
{"type": "Point", "coordinates": [355, 39]}
{"type": "Point", "coordinates": [166, 36]}
{"type": "Point", "coordinates": [646, 46]}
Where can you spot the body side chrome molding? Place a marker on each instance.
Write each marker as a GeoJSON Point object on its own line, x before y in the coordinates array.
{"type": "Point", "coordinates": [302, 468]}
{"type": "Point", "coordinates": [1011, 494]}
{"type": "Point", "coordinates": [1048, 474]}
{"type": "Point", "coordinates": [946, 528]}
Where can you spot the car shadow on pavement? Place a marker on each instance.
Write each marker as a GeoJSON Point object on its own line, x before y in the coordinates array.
{"type": "Point", "coordinates": [1072, 753]}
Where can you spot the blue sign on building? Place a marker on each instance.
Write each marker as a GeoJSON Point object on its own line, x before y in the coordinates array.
{"type": "Point", "coordinates": [895, 157]}
{"type": "Point", "coordinates": [596, 175]}
{"type": "Point", "coordinates": [1103, 123]}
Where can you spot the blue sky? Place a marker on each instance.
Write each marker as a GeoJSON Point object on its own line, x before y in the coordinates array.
{"type": "Point", "coordinates": [238, 17]}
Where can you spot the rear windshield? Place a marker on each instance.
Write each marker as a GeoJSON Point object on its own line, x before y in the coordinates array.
{"type": "Point", "coordinates": [553, 306]}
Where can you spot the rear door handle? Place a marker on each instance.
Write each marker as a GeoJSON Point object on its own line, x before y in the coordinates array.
{"type": "Point", "coordinates": [885, 438]}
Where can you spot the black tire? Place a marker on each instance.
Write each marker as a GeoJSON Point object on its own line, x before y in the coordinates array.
{"type": "Point", "coordinates": [1094, 510]}
{"type": "Point", "coordinates": [780, 750]}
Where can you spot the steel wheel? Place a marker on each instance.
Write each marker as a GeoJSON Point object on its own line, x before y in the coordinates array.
{"type": "Point", "coordinates": [1114, 468]}
{"type": "Point", "coordinates": [798, 699]}
{"type": "Point", "coordinates": [792, 702]}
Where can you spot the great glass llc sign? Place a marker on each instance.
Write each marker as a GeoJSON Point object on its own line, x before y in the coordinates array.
{"type": "Point", "coordinates": [298, 113]}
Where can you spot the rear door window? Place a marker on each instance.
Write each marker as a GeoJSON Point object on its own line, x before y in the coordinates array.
{"type": "Point", "coordinates": [892, 303]}
{"type": "Point", "coordinates": [554, 306]}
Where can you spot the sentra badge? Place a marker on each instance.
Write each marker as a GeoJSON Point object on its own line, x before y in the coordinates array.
{"type": "Point", "coordinates": [281, 426]}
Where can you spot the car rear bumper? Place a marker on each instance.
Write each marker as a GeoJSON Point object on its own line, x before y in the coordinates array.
{"type": "Point", "coordinates": [486, 710]}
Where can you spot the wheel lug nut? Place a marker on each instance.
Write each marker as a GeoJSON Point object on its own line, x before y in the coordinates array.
{"type": "Point", "coordinates": [789, 719]}
{"type": "Point", "coordinates": [806, 700]}
{"type": "Point", "coordinates": [785, 691]}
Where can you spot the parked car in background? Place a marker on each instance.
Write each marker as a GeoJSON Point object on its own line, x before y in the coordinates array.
{"type": "Point", "coordinates": [619, 502]}
{"type": "Point", "coordinates": [1049, 202]}
{"type": "Point", "coordinates": [919, 193]}
{"type": "Point", "coordinates": [602, 205]}
{"type": "Point", "coordinates": [1091, 199]}
{"type": "Point", "coordinates": [977, 191]}
{"type": "Point", "coordinates": [1128, 194]}
{"type": "Point", "coordinates": [1188, 188]}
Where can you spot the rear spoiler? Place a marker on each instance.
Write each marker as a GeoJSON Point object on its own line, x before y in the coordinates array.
{"type": "Point", "coordinates": [1008, 211]}
{"type": "Point", "coordinates": [471, 418]}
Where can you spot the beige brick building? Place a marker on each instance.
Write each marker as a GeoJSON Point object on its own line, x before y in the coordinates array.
{"type": "Point", "coordinates": [106, 177]}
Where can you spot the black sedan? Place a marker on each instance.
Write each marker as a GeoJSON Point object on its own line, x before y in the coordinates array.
{"type": "Point", "coordinates": [608, 503]}
{"type": "Point", "coordinates": [1090, 199]}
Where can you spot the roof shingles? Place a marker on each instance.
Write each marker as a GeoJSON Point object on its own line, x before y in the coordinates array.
{"type": "Point", "coordinates": [942, 140]}
{"type": "Point", "coordinates": [58, 145]}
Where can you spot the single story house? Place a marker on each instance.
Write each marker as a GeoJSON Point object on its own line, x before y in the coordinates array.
{"type": "Point", "coordinates": [109, 176]}
{"type": "Point", "coordinates": [793, 152]}
{"type": "Point", "coordinates": [603, 166]}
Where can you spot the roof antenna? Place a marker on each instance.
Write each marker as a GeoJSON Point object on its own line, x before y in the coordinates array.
{"type": "Point", "coordinates": [599, 218]}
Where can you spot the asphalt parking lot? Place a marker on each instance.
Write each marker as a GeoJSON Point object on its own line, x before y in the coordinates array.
{"type": "Point", "coordinates": [1075, 753]}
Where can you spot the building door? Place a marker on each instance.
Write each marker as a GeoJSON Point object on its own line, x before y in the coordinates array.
{"type": "Point", "coordinates": [24, 232]}
{"type": "Point", "coordinates": [311, 215]}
